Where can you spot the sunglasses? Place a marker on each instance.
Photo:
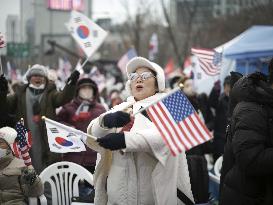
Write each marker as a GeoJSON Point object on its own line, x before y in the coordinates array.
{"type": "Point", "coordinates": [143, 76]}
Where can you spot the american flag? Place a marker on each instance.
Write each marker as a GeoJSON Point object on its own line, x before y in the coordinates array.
{"type": "Point", "coordinates": [178, 122]}
{"type": "Point", "coordinates": [131, 53]}
{"type": "Point", "coordinates": [208, 60]}
{"type": "Point", "coordinates": [21, 147]}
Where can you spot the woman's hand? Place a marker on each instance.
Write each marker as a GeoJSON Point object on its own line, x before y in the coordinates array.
{"type": "Point", "coordinates": [116, 119]}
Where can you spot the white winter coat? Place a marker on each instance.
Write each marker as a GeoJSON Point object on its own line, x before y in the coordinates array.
{"type": "Point", "coordinates": [143, 173]}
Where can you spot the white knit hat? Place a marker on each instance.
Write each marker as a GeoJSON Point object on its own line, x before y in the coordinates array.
{"type": "Point", "coordinates": [8, 134]}
{"type": "Point", "coordinates": [138, 62]}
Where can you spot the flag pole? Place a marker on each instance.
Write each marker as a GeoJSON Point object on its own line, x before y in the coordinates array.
{"type": "Point", "coordinates": [86, 60]}
{"type": "Point", "coordinates": [180, 87]}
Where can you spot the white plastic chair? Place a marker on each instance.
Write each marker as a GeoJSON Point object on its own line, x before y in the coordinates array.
{"type": "Point", "coordinates": [218, 166]}
{"type": "Point", "coordinates": [63, 178]}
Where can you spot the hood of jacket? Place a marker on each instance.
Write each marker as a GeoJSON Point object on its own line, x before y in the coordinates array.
{"type": "Point", "coordinates": [252, 88]}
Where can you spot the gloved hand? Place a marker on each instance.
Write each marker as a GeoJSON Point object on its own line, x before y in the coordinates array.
{"type": "Point", "coordinates": [28, 176]}
{"type": "Point", "coordinates": [112, 141]}
{"type": "Point", "coordinates": [116, 119]}
{"type": "Point", "coordinates": [3, 85]}
{"type": "Point", "coordinates": [73, 78]}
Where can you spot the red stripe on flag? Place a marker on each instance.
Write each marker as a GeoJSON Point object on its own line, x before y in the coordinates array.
{"type": "Point", "coordinates": [166, 128]}
{"type": "Point", "coordinates": [24, 149]}
{"type": "Point", "coordinates": [189, 139]}
{"type": "Point", "coordinates": [161, 132]}
{"type": "Point", "coordinates": [190, 131]}
{"type": "Point", "coordinates": [196, 128]}
{"type": "Point", "coordinates": [207, 68]}
{"type": "Point", "coordinates": [172, 125]}
{"type": "Point", "coordinates": [205, 58]}
{"type": "Point", "coordinates": [26, 158]}
{"type": "Point", "coordinates": [15, 150]}
{"type": "Point", "coordinates": [203, 126]}
{"type": "Point", "coordinates": [29, 139]}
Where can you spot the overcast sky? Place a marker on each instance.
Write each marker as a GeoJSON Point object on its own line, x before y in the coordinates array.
{"type": "Point", "coordinates": [112, 8]}
{"type": "Point", "coordinates": [7, 7]}
{"type": "Point", "coordinates": [100, 8]}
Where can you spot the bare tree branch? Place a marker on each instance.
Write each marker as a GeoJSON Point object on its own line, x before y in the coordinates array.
{"type": "Point", "coordinates": [171, 34]}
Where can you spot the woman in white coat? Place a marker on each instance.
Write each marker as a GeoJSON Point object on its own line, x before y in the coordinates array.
{"type": "Point", "coordinates": [136, 167]}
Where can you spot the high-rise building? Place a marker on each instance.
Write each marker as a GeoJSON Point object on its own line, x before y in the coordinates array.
{"type": "Point", "coordinates": [198, 11]}
{"type": "Point", "coordinates": [42, 20]}
{"type": "Point", "coordinates": [231, 7]}
{"type": "Point", "coordinates": [190, 11]}
{"type": "Point", "coordinates": [13, 28]}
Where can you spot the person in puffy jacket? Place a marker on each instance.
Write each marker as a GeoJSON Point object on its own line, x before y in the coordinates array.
{"type": "Point", "coordinates": [17, 181]}
{"type": "Point", "coordinates": [78, 114]}
{"type": "Point", "coordinates": [247, 171]}
{"type": "Point", "coordinates": [33, 100]}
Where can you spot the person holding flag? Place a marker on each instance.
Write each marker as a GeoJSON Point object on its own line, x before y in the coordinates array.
{"type": "Point", "coordinates": [140, 169]}
{"type": "Point", "coordinates": [31, 101]}
{"type": "Point", "coordinates": [17, 181]}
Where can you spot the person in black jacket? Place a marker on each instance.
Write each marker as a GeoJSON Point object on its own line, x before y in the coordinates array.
{"type": "Point", "coordinates": [247, 171]}
{"type": "Point", "coordinates": [220, 121]}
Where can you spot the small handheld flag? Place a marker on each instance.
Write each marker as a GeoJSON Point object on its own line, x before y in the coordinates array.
{"type": "Point", "coordinates": [178, 122]}
{"type": "Point", "coordinates": [63, 139]}
{"type": "Point", "coordinates": [21, 147]}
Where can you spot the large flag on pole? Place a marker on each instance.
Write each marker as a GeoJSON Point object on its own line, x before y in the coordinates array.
{"type": "Point", "coordinates": [208, 60]}
{"type": "Point", "coordinates": [131, 53]}
{"type": "Point", "coordinates": [178, 122]}
{"type": "Point", "coordinates": [62, 138]}
{"type": "Point", "coordinates": [88, 34]}
{"type": "Point", "coordinates": [206, 69]}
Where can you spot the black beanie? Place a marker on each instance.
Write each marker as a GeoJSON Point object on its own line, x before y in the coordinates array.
{"type": "Point", "coordinates": [87, 81]}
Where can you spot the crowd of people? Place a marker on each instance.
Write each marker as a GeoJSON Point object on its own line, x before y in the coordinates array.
{"type": "Point", "coordinates": [130, 161]}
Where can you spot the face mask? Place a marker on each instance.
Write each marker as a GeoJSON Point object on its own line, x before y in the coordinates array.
{"type": "Point", "coordinates": [3, 153]}
{"type": "Point", "coordinates": [41, 87]}
{"type": "Point", "coordinates": [86, 94]}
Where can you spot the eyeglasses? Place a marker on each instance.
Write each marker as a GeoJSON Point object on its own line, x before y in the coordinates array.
{"type": "Point", "coordinates": [143, 76]}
